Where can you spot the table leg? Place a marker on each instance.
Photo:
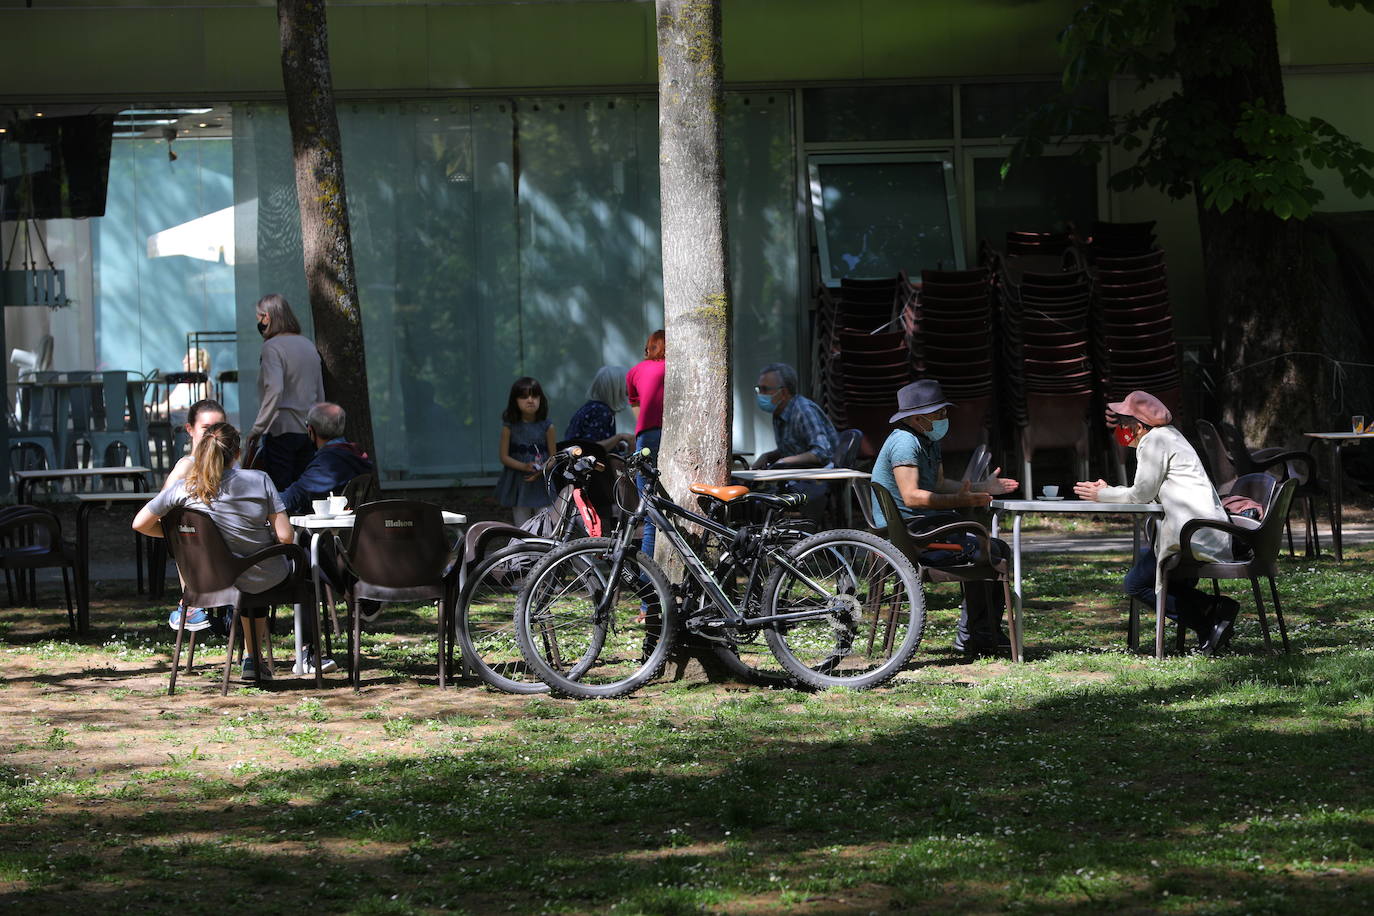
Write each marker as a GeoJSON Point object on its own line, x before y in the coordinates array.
{"type": "Point", "coordinates": [319, 601]}
{"type": "Point", "coordinates": [1159, 611]}
{"type": "Point", "coordinates": [1337, 505]}
{"type": "Point", "coordinates": [83, 564]}
{"type": "Point", "coordinates": [1016, 596]}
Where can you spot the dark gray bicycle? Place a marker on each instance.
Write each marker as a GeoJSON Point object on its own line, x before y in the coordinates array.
{"type": "Point", "coordinates": [597, 617]}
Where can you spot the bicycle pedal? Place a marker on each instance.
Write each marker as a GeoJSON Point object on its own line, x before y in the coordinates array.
{"type": "Point", "coordinates": [712, 628]}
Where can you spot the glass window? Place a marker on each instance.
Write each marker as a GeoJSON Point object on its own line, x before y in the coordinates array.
{"type": "Point", "coordinates": [1043, 194]}
{"type": "Point", "coordinates": [999, 109]}
{"type": "Point", "coordinates": [877, 215]}
{"type": "Point", "coordinates": [501, 237]}
{"type": "Point", "coordinates": [878, 113]}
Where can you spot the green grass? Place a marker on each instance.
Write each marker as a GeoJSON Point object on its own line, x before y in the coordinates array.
{"type": "Point", "coordinates": [1088, 780]}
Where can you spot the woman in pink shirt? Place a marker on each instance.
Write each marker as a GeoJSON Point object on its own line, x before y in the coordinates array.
{"type": "Point", "coordinates": [644, 388]}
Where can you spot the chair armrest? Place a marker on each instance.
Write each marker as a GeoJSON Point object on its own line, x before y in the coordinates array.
{"type": "Point", "coordinates": [1190, 527]}
{"type": "Point", "coordinates": [1273, 457]}
{"type": "Point", "coordinates": [977, 530]}
{"type": "Point", "coordinates": [294, 553]}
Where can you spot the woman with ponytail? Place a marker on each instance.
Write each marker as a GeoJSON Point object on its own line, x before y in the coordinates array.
{"type": "Point", "coordinates": [244, 505]}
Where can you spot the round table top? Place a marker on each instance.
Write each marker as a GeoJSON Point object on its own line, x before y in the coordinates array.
{"type": "Point", "coordinates": [345, 520]}
{"type": "Point", "coordinates": [1075, 505]}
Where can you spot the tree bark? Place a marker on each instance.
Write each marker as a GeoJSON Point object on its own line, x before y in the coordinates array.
{"type": "Point", "coordinates": [696, 281]}
{"type": "Point", "coordinates": [325, 236]}
{"type": "Point", "coordinates": [1261, 279]}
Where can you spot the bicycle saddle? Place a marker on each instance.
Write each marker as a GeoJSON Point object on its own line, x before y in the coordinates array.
{"type": "Point", "coordinates": [779, 500]}
{"type": "Point", "coordinates": [724, 494]}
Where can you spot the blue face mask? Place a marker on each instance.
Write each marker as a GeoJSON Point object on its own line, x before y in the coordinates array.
{"type": "Point", "coordinates": [938, 429]}
{"type": "Point", "coordinates": [765, 403]}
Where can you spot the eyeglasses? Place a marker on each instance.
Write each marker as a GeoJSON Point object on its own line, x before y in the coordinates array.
{"type": "Point", "coordinates": [762, 389]}
{"type": "Point", "coordinates": [940, 414]}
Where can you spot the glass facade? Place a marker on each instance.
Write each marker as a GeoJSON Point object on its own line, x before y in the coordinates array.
{"type": "Point", "coordinates": [163, 254]}
{"type": "Point", "coordinates": [503, 237]}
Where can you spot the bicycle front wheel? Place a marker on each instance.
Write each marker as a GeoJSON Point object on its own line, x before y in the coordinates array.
{"type": "Point", "coordinates": [486, 617]}
{"type": "Point", "coordinates": [864, 605]}
{"type": "Point", "coordinates": [591, 636]}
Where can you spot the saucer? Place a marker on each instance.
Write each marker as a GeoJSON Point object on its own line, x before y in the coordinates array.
{"type": "Point", "coordinates": [1053, 499]}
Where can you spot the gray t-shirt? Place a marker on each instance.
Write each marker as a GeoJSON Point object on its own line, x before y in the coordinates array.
{"type": "Point", "coordinates": [246, 499]}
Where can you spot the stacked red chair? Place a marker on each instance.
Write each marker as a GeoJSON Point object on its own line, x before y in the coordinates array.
{"type": "Point", "coordinates": [1048, 377]}
{"type": "Point", "coordinates": [949, 331]}
{"type": "Point", "coordinates": [1133, 325]}
{"type": "Point", "coordinates": [862, 359]}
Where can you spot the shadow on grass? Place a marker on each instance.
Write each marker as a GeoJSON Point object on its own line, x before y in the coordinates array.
{"type": "Point", "coordinates": [1241, 787]}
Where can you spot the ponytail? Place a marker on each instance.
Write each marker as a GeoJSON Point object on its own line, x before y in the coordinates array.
{"type": "Point", "coordinates": [214, 454]}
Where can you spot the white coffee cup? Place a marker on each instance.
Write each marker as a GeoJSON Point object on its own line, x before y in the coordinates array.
{"type": "Point", "coordinates": [337, 505]}
{"type": "Point", "coordinates": [321, 506]}
{"type": "Point", "coordinates": [1050, 491]}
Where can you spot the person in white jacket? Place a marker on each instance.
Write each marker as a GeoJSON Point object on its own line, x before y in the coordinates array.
{"type": "Point", "coordinates": [1169, 471]}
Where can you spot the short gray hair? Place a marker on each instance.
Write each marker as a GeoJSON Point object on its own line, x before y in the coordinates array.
{"type": "Point", "coordinates": [327, 420]}
{"type": "Point", "coordinates": [608, 387]}
{"type": "Point", "coordinates": [787, 376]}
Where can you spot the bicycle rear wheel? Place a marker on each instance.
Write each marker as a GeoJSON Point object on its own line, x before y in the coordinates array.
{"type": "Point", "coordinates": [591, 637]}
{"type": "Point", "coordinates": [869, 608]}
{"type": "Point", "coordinates": [486, 617]}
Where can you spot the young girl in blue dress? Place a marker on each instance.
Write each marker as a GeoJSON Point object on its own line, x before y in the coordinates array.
{"type": "Point", "coordinates": [527, 441]}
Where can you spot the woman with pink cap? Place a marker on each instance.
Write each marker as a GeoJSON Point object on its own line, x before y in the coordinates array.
{"type": "Point", "coordinates": [1168, 471]}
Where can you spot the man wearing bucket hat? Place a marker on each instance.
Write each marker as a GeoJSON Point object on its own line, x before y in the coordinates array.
{"type": "Point", "coordinates": [911, 467]}
{"type": "Point", "coordinates": [1169, 471]}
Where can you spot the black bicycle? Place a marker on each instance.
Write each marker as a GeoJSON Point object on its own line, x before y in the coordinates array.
{"type": "Point", "coordinates": [598, 618]}
{"type": "Point", "coordinates": [485, 617]}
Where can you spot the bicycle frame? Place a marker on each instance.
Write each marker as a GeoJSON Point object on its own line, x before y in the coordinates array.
{"type": "Point", "coordinates": [660, 509]}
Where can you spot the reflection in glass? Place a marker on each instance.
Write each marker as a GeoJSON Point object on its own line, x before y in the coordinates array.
{"type": "Point", "coordinates": [879, 113]}
{"type": "Point", "coordinates": [1042, 194]}
{"type": "Point", "coordinates": [881, 216]}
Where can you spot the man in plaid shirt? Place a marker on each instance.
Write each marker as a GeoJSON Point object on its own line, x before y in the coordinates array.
{"type": "Point", "coordinates": [804, 435]}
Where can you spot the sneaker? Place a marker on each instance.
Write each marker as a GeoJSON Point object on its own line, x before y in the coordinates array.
{"type": "Point", "coordinates": [306, 665]}
{"type": "Point", "coordinates": [196, 619]}
{"type": "Point", "coordinates": [250, 671]}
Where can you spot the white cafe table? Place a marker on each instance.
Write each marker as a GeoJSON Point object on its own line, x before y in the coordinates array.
{"type": "Point", "coordinates": [314, 525]}
{"type": "Point", "coordinates": [1016, 508]}
{"type": "Point", "coordinates": [1335, 441]}
{"type": "Point", "coordinates": [781, 474]}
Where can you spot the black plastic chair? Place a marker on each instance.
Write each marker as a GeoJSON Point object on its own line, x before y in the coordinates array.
{"type": "Point", "coordinates": [989, 568]}
{"type": "Point", "coordinates": [360, 490]}
{"type": "Point", "coordinates": [209, 569]}
{"type": "Point", "coordinates": [1263, 542]}
{"type": "Point", "coordinates": [31, 539]}
{"type": "Point", "coordinates": [1230, 458]}
{"type": "Point", "coordinates": [398, 551]}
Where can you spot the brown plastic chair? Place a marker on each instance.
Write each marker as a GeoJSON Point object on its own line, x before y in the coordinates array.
{"type": "Point", "coordinates": [1263, 542]}
{"type": "Point", "coordinates": [30, 539]}
{"type": "Point", "coordinates": [209, 569]}
{"type": "Point", "coordinates": [398, 551]}
{"type": "Point", "coordinates": [987, 569]}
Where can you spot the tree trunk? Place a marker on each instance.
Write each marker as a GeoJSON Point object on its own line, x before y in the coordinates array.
{"type": "Point", "coordinates": [325, 233]}
{"type": "Point", "coordinates": [1260, 277]}
{"type": "Point", "coordinates": [696, 281]}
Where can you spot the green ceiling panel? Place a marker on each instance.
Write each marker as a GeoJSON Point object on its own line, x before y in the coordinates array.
{"type": "Point", "coordinates": [375, 47]}
{"type": "Point", "coordinates": [933, 38]}
{"type": "Point", "coordinates": [768, 40]}
{"type": "Point", "coordinates": [541, 45]}
{"type": "Point", "coordinates": [243, 50]}
{"type": "Point", "coordinates": [88, 51]}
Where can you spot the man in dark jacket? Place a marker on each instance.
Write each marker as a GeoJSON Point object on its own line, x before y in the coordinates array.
{"type": "Point", "coordinates": [336, 461]}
